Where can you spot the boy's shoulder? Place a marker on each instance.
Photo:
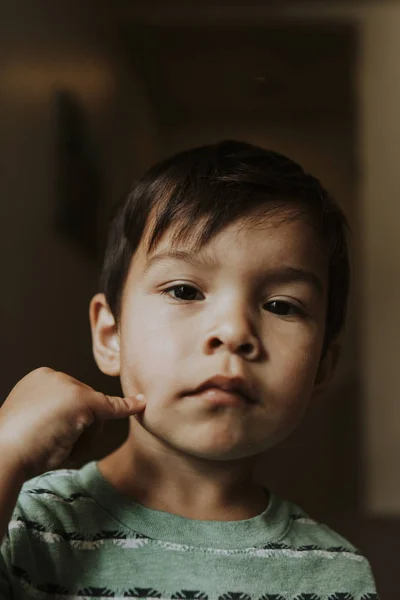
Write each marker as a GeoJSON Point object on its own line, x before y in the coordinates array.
{"type": "Point", "coordinates": [57, 499]}
{"type": "Point", "coordinates": [59, 484]}
{"type": "Point", "coordinates": [307, 534]}
{"type": "Point", "coordinates": [316, 545]}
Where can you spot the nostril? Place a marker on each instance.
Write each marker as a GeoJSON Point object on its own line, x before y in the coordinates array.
{"type": "Point", "coordinates": [215, 343]}
{"type": "Point", "coordinates": [247, 348]}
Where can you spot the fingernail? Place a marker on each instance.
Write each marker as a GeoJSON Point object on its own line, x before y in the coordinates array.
{"type": "Point", "coordinates": [140, 397]}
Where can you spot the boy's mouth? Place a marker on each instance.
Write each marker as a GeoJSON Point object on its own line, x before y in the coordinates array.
{"type": "Point", "coordinates": [232, 385]}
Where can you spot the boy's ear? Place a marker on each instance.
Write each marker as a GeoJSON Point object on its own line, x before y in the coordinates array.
{"type": "Point", "coordinates": [105, 336]}
{"type": "Point", "coordinates": [326, 369]}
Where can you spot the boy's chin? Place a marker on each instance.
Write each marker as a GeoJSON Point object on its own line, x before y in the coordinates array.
{"type": "Point", "coordinates": [213, 451]}
{"type": "Point", "coordinates": [225, 441]}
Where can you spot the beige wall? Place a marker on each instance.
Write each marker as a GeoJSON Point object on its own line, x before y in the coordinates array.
{"type": "Point", "coordinates": [379, 144]}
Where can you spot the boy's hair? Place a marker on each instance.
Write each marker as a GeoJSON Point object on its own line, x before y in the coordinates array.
{"type": "Point", "coordinates": [203, 190]}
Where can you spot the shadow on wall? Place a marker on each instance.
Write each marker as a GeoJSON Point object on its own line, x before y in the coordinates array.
{"type": "Point", "coordinates": [79, 190]}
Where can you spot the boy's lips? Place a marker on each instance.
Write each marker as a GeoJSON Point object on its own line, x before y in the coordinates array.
{"type": "Point", "coordinates": [232, 385]}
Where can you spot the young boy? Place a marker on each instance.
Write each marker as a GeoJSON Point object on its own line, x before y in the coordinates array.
{"type": "Point", "coordinates": [224, 290]}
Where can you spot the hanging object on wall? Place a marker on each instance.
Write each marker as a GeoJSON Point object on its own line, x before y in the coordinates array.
{"type": "Point", "coordinates": [78, 182]}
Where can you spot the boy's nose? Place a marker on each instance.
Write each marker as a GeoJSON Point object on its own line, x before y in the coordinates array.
{"type": "Point", "coordinates": [234, 339]}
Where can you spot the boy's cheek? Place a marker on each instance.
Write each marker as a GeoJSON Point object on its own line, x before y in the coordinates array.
{"type": "Point", "coordinates": [143, 377]}
{"type": "Point", "coordinates": [130, 381]}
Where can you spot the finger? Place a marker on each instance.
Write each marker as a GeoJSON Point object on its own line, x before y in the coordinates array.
{"type": "Point", "coordinates": [115, 407]}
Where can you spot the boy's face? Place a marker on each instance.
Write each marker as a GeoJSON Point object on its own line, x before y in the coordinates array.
{"type": "Point", "coordinates": [254, 308]}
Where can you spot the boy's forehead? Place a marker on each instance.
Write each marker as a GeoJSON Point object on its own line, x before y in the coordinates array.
{"type": "Point", "coordinates": [295, 242]}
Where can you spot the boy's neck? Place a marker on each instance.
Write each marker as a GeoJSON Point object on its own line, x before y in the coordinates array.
{"type": "Point", "coordinates": [184, 486]}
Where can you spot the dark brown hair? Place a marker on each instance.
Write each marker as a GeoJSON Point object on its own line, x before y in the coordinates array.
{"type": "Point", "coordinates": [215, 185]}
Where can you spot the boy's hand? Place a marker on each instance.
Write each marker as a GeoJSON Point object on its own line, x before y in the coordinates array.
{"type": "Point", "coordinates": [46, 413]}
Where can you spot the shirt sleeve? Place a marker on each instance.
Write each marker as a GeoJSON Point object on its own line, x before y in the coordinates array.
{"type": "Point", "coordinates": [365, 583]}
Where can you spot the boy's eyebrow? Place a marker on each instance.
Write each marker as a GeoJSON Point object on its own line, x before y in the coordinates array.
{"type": "Point", "coordinates": [192, 258]}
{"type": "Point", "coordinates": [286, 274]}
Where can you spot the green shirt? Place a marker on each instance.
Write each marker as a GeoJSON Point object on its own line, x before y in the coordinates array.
{"type": "Point", "coordinates": [73, 536]}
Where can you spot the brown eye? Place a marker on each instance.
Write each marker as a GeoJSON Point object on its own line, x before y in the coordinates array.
{"type": "Point", "coordinates": [283, 308]}
{"type": "Point", "coordinates": [181, 292]}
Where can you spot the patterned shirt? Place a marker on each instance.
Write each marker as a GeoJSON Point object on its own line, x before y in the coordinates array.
{"type": "Point", "coordinates": [74, 536]}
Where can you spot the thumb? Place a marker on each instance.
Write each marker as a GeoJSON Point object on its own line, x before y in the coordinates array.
{"type": "Point", "coordinates": [115, 407]}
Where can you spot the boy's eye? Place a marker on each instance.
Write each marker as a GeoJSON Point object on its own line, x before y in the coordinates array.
{"type": "Point", "coordinates": [283, 308]}
{"type": "Point", "coordinates": [189, 293]}
{"type": "Point", "coordinates": [181, 292]}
